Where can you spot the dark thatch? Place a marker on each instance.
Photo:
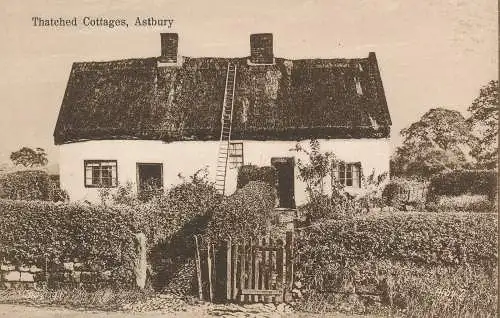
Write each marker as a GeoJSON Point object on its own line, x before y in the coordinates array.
{"type": "Point", "coordinates": [290, 100]}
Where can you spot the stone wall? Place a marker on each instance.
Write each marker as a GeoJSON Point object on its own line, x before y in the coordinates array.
{"type": "Point", "coordinates": [56, 274]}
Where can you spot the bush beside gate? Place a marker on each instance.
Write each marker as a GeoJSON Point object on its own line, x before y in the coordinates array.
{"type": "Point", "coordinates": [410, 261]}
{"type": "Point", "coordinates": [49, 237]}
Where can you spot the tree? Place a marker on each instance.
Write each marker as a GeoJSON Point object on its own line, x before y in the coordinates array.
{"type": "Point", "coordinates": [484, 124]}
{"type": "Point", "coordinates": [29, 157]}
{"type": "Point", "coordinates": [439, 141]}
{"type": "Point", "coordinates": [316, 168]}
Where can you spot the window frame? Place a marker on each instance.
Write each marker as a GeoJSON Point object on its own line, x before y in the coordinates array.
{"type": "Point", "coordinates": [351, 172]}
{"type": "Point", "coordinates": [100, 162]}
{"type": "Point", "coordinates": [234, 159]}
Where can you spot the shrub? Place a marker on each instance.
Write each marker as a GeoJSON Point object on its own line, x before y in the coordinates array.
{"type": "Point", "coordinates": [399, 192]}
{"type": "Point", "coordinates": [423, 238]}
{"type": "Point", "coordinates": [185, 207]}
{"type": "Point", "coordinates": [458, 182]}
{"type": "Point", "coordinates": [440, 265]}
{"type": "Point", "coordinates": [31, 185]}
{"type": "Point", "coordinates": [461, 203]}
{"type": "Point", "coordinates": [26, 185]}
{"type": "Point", "coordinates": [245, 214]}
{"type": "Point", "coordinates": [253, 173]}
{"type": "Point", "coordinates": [337, 206]}
{"type": "Point", "coordinates": [170, 221]}
{"type": "Point", "coordinates": [33, 230]}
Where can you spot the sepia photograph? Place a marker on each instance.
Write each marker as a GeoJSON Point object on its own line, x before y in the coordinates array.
{"type": "Point", "coordinates": [300, 158]}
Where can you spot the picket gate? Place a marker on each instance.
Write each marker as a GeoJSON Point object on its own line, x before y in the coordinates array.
{"type": "Point", "coordinates": [246, 271]}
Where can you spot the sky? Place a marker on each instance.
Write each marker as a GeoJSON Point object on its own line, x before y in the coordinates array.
{"type": "Point", "coordinates": [430, 53]}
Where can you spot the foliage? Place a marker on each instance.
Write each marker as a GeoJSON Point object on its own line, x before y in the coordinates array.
{"type": "Point", "coordinates": [401, 191]}
{"type": "Point", "coordinates": [337, 206]}
{"type": "Point", "coordinates": [423, 264]}
{"type": "Point", "coordinates": [30, 185]}
{"type": "Point", "coordinates": [318, 166]}
{"type": "Point", "coordinates": [249, 173]}
{"type": "Point", "coordinates": [29, 157]}
{"type": "Point", "coordinates": [462, 203]}
{"type": "Point", "coordinates": [414, 290]}
{"type": "Point", "coordinates": [164, 216]}
{"type": "Point", "coordinates": [439, 141]}
{"type": "Point", "coordinates": [422, 238]}
{"type": "Point", "coordinates": [33, 230]}
{"type": "Point", "coordinates": [484, 120]}
{"type": "Point", "coordinates": [464, 182]}
{"type": "Point", "coordinates": [244, 214]}
{"type": "Point", "coordinates": [101, 299]}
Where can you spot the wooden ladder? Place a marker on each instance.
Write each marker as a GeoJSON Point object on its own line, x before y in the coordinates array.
{"type": "Point", "coordinates": [225, 134]}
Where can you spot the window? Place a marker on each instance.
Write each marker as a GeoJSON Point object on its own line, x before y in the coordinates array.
{"type": "Point", "coordinates": [348, 174]}
{"type": "Point", "coordinates": [100, 173]}
{"type": "Point", "coordinates": [235, 155]}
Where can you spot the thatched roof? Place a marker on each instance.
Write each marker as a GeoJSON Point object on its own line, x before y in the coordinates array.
{"type": "Point", "coordinates": [290, 100]}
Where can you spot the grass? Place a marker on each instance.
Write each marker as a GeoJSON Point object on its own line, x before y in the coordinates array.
{"type": "Point", "coordinates": [103, 299]}
{"type": "Point", "coordinates": [440, 291]}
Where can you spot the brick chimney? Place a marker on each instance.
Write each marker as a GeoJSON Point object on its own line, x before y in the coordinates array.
{"type": "Point", "coordinates": [261, 48]}
{"type": "Point", "coordinates": [169, 45]}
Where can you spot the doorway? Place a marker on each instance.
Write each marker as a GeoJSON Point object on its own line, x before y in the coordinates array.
{"type": "Point", "coordinates": [149, 179]}
{"type": "Point", "coordinates": [286, 183]}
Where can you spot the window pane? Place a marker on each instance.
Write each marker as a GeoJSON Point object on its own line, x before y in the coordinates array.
{"type": "Point", "coordinates": [348, 175]}
{"type": "Point", "coordinates": [100, 173]}
{"type": "Point", "coordinates": [342, 173]}
{"type": "Point", "coordinates": [96, 175]}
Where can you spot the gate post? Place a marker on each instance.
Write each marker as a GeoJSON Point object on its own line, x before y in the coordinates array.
{"type": "Point", "coordinates": [140, 263]}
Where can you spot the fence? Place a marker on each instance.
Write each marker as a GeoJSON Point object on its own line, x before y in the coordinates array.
{"type": "Point", "coordinates": [413, 194]}
{"type": "Point", "coordinates": [254, 270]}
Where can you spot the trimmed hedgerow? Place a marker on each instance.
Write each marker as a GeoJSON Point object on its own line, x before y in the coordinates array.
{"type": "Point", "coordinates": [26, 185]}
{"type": "Point", "coordinates": [253, 173]}
{"type": "Point", "coordinates": [458, 182]}
{"type": "Point", "coordinates": [418, 262]}
{"type": "Point", "coordinates": [423, 238]}
{"type": "Point", "coordinates": [246, 213]}
{"type": "Point", "coordinates": [31, 185]}
{"type": "Point", "coordinates": [32, 231]}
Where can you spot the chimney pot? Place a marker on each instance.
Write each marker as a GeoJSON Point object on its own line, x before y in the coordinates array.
{"type": "Point", "coordinates": [261, 48]}
{"type": "Point", "coordinates": [169, 46]}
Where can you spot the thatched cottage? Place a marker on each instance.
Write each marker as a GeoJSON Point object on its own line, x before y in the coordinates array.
{"type": "Point", "coordinates": [155, 118]}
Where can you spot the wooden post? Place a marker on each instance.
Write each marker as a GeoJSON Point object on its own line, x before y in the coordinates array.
{"type": "Point", "coordinates": [229, 276]}
{"type": "Point", "coordinates": [289, 252]}
{"type": "Point", "coordinates": [140, 264]}
{"type": "Point", "coordinates": [215, 286]}
{"type": "Point", "coordinates": [209, 264]}
{"type": "Point", "coordinates": [283, 270]}
{"type": "Point", "coordinates": [257, 270]}
{"type": "Point", "coordinates": [234, 280]}
{"type": "Point", "coordinates": [198, 268]}
{"type": "Point", "coordinates": [243, 269]}
{"type": "Point", "coordinates": [263, 277]}
{"type": "Point", "coordinates": [250, 283]}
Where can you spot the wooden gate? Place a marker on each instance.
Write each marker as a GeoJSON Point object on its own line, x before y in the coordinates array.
{"type": "Point", "coordinates": [258, 270]}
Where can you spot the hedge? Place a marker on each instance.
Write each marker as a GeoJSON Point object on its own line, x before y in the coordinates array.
{"type": "Point", "coordinates": [421, 238]}
{"type": "Point", "coordinates": [458, 182]}
{"type": "Point", "coordinates": [25, 185]}
{"type": "Point", "coordinates": [32, 231]}
{"type": "Point", "coordinates": [246, 213]}
{"type": "Point", "coordinates": [253, 173]}
{"type": "Point", "coordinates": [31, 185]}
{"type": "Point", "coordinates": [400, 191]}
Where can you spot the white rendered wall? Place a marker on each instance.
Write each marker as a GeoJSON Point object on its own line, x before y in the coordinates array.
{"type": "Point", "coordinates": [186, 157]}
